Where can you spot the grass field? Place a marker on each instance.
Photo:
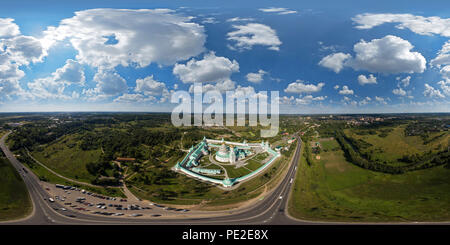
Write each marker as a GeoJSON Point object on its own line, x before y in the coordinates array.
{"type": "Point", "coordinates": [333, 189]}
{"type": "Point", "coordinates": [395, 145]}
{"type": "Point", "coordinates": [65, 158]}
{"type": "Point", "coordinates": [14, 200]}
{"type": "Point", "coordinates": [44, 174]}
{"type": "Point", "coordinates": [253, 165]}
{"type": "Point", "coordinates": [235, 172]}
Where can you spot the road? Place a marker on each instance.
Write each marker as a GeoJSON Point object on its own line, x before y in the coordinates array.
{"type": "Point", "coordinates": [270, 210]}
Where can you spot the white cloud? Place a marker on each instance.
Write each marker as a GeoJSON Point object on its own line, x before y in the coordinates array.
{"type": "Point", "coordinates": [210, 20]}
{"type": "Point", "coordinates": [345, 90]}
{"type": "Point", "coordinates": [8, 28]}
{"type": "Point", "coordinates": [286, 100]}
{"type": "Point", "coordinates": [365, 101]}
{"type": "Point", "coordinates": [210, 69]}
{"type": "Point", "coordinates": [71, 73]}
{"type": "Point", "coordinates": [222, 87]}
{"type": "Point", "coordinates": [336, 87]}
{"type": "Point", "coordinates": [380, 100]}
{"type": "Point", "coordinates": [418, 24]}
{"type": "Point", "coordinates": [239, 19]}
{"type": "Point", "coordinates": [443, 56]}
{"type": "Point", "coordinates": [47, 88]}
{"type": "Point", "coordinates": [442, 60]}
{"type": "Point", "coordinates": [142, 37]}
{"type": "Point", "coordinates": [362, 79]}
{"type": "Point", "coordinates": [300, 87]}
{"type": "Point", "coordinates": [134, 98]}
{"type": "Point", "coordinates": [399, 91]}
{"type": "Point", "coordinates": [308, 99]}
{"type": "Point", "coordinates": [150, 86]}
{"type": "Point", "coordinates": [15, 50]}
{"type": "Point", "coordinates": [52, 87]}
{"type": "Point", "coordinates": [445, 86]}
{"type": "Point", "coordinates": [281, 11]}
{"type": "Point", "coordinates": [246, 36]}
{"type": "Point", "coordinates": [432, 92]}
{"type": "Point", "coordinates": [335, 61]}
{"type": "Point", "coordinates": [405, 81]}
{"type": "Point", "coordinates": [389, 54]}
{"type": "Point", "coordinates": [256, 77]}
{"type": "Point", "coordinates": [109, 83]}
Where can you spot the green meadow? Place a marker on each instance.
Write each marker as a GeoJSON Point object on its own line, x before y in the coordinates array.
{"type": "Point", "coordinates": [334, 189]}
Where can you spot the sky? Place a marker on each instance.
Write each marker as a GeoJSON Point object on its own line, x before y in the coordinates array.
{"type": "Point", "coordinates": [322, 56]}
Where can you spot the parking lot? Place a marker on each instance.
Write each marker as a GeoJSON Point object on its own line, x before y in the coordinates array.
{"type": "Point", "coordinates": [91, 203]}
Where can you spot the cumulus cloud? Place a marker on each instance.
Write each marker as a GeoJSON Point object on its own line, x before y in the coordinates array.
{"type": "Point", "coordinates": [134, 98]}
{"type": "Point", "coordinates": [443, 56]}
{"type": "Point", "coordinates": [210, 69]}
{"type": "Point", "coordinates": [16, 50]}
{"type": "Point", "coordinates": [300, 87]}
{"type": "Point", "coordinates": [308, 99]}
{"type": "Point", "coordinates": [143, 36]}
{"type": "Point", "coordinates": [222, 87]}
{"type": "Point", "coordinates": [390, 54]}
{"type": "Point", "coordinates": [432, 92]}
{"type": "Point", "coordinates": [399, 91]}
{"type": "Point", "coordinates": [417, 24]}
{"type": "Point", "coordinates": [442, 61]}
{"type": "Point", "coordinates": [246, 36]}
{"type": "Point", "coordinates": [405, 81]}
{"type": "Point", "coordinates": [150, 87]}
{"type": "Point", "coordinates": [256, 77]}
{"type": "Point", "coordinates": [445, 86]}
{"type": "Point", "coordinates": [109, 83]}
{"type": "Point", "coordinates": [47, 88]}
{"type": "Point", "coordinates": [280, 11]}
{"type": "Point", "coordinates": [335, 61]}
{"type": "Point", "coordinates": [365, 101]}
{"type": "Point", "coordinates": [71, 73]}
{"type": "Point", "coordinates": [371, 79]}
{"type": "Point", "coordinates": [345, 90]}
{"type": "Point", "coordinates": [24, 49]}
{"type": "Point", "coordinates": [8, 28]}
{"type": "Point", "coordinates": [52, 87]}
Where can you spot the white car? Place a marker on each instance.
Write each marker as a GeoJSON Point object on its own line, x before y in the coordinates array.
{"type": "Point", "coordinates": [63, 209]}
{"type": "Point", "coordinates": [281, 197]}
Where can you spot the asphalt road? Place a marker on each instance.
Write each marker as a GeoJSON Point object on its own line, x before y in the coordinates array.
{"type": "Point", "coordinates": [270, 210]}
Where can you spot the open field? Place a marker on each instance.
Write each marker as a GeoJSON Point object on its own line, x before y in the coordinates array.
{"type": "Point", "coordinates": [47, 176]}
{"type": "Point", "coordinates": [395, 144]}
{"type": "Point", "coordinates": [14, 199]}
{"type": "Point", "coordinates": [334, 189]}
{"type": "Point", "coordinates": [64, 157]}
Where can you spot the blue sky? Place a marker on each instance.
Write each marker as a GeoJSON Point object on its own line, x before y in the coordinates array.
{"type": "Point", "coordinates": [322, 56]}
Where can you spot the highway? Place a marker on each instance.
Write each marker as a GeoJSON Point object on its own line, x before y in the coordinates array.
{"type": "Point", "coordinates": [270, 210]}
